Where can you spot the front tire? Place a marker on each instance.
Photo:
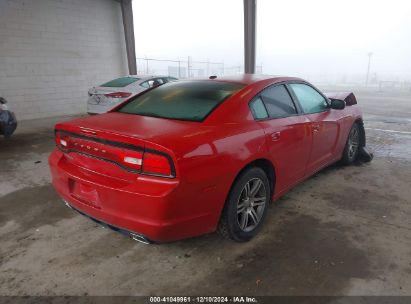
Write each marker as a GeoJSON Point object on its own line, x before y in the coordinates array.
{"type": "Point", "coordinates": [246, 206]}
{"type": "Point", "coordinates": [352, 146]}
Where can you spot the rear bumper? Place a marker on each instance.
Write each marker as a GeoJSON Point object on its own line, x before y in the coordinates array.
{"type": "Point", "coordinates": [160, 210]}
{"type": "Point", "coordinates": [134, 236]}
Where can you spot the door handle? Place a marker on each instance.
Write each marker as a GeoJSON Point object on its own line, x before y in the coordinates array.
{"type": "Point", "coordinates": [275, 136]}
{"type": "Point", "coordinates": [316, 127]}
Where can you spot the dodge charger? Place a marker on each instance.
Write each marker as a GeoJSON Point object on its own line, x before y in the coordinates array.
{"type": "Point", "coordinates": [192, 157]}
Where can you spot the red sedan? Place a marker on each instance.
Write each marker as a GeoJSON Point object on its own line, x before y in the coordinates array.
{"type": "Point", "coordinates": [191, 157]}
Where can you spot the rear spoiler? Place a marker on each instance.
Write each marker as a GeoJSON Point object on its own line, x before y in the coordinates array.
{"type": "Point", "coordinates": [348, 97]}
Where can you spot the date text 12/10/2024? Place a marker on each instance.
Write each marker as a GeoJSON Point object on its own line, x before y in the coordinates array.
{"type": "Point", "coordinates": [203, 299]}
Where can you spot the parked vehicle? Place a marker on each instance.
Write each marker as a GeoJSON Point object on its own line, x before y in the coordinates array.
{"type": "Point", "coordinates": [8, 121]}
{"type": "Point", "coordinates": [192, 157]}
{"type": "Point", "coordinates": [110, 94]}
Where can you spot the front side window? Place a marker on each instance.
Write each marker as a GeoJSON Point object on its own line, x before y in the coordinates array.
{"type": "Point", "coordinates": [278, 102]}
{"type": "Point", "coordinates": [311, 101]}
{"type": "Point", "coordinates": [185, 100]}
{"type": "Point", "coordinates": [155, 82]}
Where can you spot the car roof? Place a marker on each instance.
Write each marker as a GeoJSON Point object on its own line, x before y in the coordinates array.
{"type": "Point", "coordinates": [146, 77]}
{"type": "Point", "coordinates": [248, 79]}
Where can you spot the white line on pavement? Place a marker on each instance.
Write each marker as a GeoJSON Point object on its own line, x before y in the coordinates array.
{"type": "Point", "coordinates": [390, 131]}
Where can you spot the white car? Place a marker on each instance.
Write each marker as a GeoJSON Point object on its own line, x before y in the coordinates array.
{"type": "Point", "coordinates": [108, 95]}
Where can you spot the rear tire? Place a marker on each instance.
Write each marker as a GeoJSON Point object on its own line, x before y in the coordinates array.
{"type": "Point", "coordinates": [352, 146]}
{"type": "Point", "coordinates": [246, 206]}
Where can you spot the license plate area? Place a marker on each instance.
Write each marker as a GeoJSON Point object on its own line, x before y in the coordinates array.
{"type": "Point", "coordinates": [84, 193]}
{"type": "Point", "coordinates": [96, 99]}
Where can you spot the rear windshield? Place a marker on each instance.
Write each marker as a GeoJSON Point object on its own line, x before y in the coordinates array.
{"type": "Point", "coordinates": [120, 82]}
{"type": "Point", "coordinates": [184, 100]}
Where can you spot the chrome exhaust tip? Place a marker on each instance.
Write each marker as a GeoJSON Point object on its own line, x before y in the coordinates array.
{"type": "Point", "coordinates": [67, 204]}
{"type": "Point", "coordinates": [139, 238]}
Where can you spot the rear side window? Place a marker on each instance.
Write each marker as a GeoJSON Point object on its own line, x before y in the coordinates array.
{"type": "Point", "coordinates": [185, 100]}
{"type": "Point", "coordinates": [278, 101]}
{"type": "Point", "coordinates": [258, 109]}
{"type": "Point", "coordinates": [120, 82]}
{"type": "Point", "coordinates": [311, 101]}
{"type": "Point", "coordinates": [152, 82]}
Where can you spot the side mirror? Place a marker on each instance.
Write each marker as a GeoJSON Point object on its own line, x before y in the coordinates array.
{"type": "Point", "coordinates": [337, 104]}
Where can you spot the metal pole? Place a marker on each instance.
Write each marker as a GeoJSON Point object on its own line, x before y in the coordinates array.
{"type": "Point", "coordinates": [127, 13]}
{"type": "Point", "coordinates": [179, 72]}
{"type": "Point", "coordinates": [250, 7]}
{"type": "Point", "coordinates": [368, 69]}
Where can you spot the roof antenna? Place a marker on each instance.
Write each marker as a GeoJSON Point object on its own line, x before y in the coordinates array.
{"type": "Point", "coordinates": [212, 77]}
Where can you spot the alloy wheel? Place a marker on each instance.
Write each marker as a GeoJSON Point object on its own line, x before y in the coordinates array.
{"type": "Point", "coordinates": [251, 204]}
{"type": "Point", "coordinates": [353, 142]}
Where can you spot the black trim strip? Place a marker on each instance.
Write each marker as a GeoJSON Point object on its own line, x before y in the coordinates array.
{"type": "Point", "coordinates": [121, 145]}
{"type": "Point", "coordinates": [103, 141]}
{"type": "Point", "coordinates": [102, 158]}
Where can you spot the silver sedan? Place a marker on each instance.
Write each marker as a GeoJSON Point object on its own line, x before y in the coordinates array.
{"type": "Point", "coordinates": [105, 97]}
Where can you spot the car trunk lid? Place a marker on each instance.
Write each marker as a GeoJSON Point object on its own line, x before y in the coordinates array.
{"type": "Point", "coordinates": [106, 95]}
{"type": "Point", "coordinates": [126, 143]}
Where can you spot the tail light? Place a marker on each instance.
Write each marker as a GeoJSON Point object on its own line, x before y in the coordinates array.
{"type": "Point", "coordinates": [156, 164]}
{"type": "Point", "coordinates": [131, 158]}
{"type": "Point", "coordinates": [118, 95]}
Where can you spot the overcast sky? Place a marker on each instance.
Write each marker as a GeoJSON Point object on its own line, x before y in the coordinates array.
{"type": "Point", "coordinates": [302, 38]}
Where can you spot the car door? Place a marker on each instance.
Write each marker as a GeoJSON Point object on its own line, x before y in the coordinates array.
{"type": "Point", "coordinates": [288, 136]}
{"type": "Point", "coordinates": [325, 125]}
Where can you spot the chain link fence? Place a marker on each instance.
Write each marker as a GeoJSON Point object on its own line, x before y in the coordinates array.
{"type": "Point", "coordinates": [187, 68]}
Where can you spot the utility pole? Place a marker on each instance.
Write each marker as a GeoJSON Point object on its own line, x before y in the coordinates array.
{"type": "Point", "coordinates": [250, 7]}
{"type": "Point", "coordinates": [127, 13]}
{"type": "Point", "coordinates": [368, 69]}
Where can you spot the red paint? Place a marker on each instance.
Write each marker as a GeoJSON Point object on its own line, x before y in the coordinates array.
{"type": "Point", "coordinates": [205, 158]}
{"type": "Point", "coordinates": [118, 94]}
